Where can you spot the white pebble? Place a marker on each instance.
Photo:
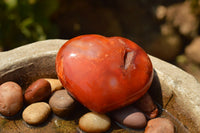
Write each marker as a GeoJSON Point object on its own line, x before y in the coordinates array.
{"type": "Point", "coordinates": [55, 84]}
{"type": "Point", "coordinates": [36, 113]}
{"type": "Point", "coordinates": [94, 122]}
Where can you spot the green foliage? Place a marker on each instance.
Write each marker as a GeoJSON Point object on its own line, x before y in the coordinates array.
{"type": "Point", "coordinates": [25, 21]}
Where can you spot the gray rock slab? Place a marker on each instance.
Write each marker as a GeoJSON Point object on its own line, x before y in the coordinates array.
{"type": "Point", "coordinates": [36, 60]}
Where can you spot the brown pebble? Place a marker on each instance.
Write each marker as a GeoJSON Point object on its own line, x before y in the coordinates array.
{"type": "Point", "coordinates": [130, 116]}
{"type": "Point", "coordinates": [146, 105]}
{"type": "Point", "coordinates": [11, 98]}
{"type": "Point", "coordinates": [159, 125]}
{"type": "Point", "coordinates": [39, 90]}
{"type": "Point", "coordinates": [93, 122]}
{"type": "Point", "coordinates": [62, 103]}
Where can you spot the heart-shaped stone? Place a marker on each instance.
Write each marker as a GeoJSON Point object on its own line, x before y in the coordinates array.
{"type": "Point", "coordinates": [104, 73]}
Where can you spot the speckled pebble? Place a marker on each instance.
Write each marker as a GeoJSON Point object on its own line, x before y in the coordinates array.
{"type": "Point", "coordinates": [93, 122]}
{"type": "Point", "coordinates": [159, 125]}
{"type": "Point", "coordinates": [36, 113]}
{"type": "Point", "coordinates": [130, 116]}
{"type": "Point", "coordinates": [62, 104]}
{"type": "Point", "coordinates": [11, 98]}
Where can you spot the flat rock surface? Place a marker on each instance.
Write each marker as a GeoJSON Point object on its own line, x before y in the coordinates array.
{"type": "Point", "coordinates": [179, 85]}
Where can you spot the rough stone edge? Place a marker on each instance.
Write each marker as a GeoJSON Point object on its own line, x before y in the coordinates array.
{"type": "Point", "coordinates": [32, 50]}
{"type": "Point", "coordinates": [182, 84]}
{"type": "Point", "coordinates": [26, 53]}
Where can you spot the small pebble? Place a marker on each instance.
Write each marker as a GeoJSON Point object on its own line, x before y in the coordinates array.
{"type": "Point", "coordinates": [36, 113]}
{"type": "Point", "coordinates": [93, 122]}
{"type": "Point", "coordinates": [11, 98]}
{"type": "Point", "coordinates": [130, 116]}
{"type": "Point", "coordinates": [159, 125]}
{"type": "Point", "coordinates": [38, 91]}
{"type": "Point", "coordinates": [55, 84]}
{"type": "Point", "coordinates": [62, 104]}
{"type": "Point", "coordinates": [146, 105]}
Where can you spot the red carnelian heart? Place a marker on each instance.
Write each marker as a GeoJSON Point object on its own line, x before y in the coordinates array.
{"type": "Point", "coordinates": [104, 73]}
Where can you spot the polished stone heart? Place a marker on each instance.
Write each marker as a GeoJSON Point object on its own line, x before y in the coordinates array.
{"type": "Point", "coordinates": [104, 73]}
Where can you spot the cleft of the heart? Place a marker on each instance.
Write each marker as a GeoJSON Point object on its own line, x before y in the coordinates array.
{"type": "Point", "coordinates": [104, 73]}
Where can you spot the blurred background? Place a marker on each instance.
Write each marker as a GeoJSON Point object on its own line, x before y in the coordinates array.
{"type": "Point", "coordinates": [167, 29]}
